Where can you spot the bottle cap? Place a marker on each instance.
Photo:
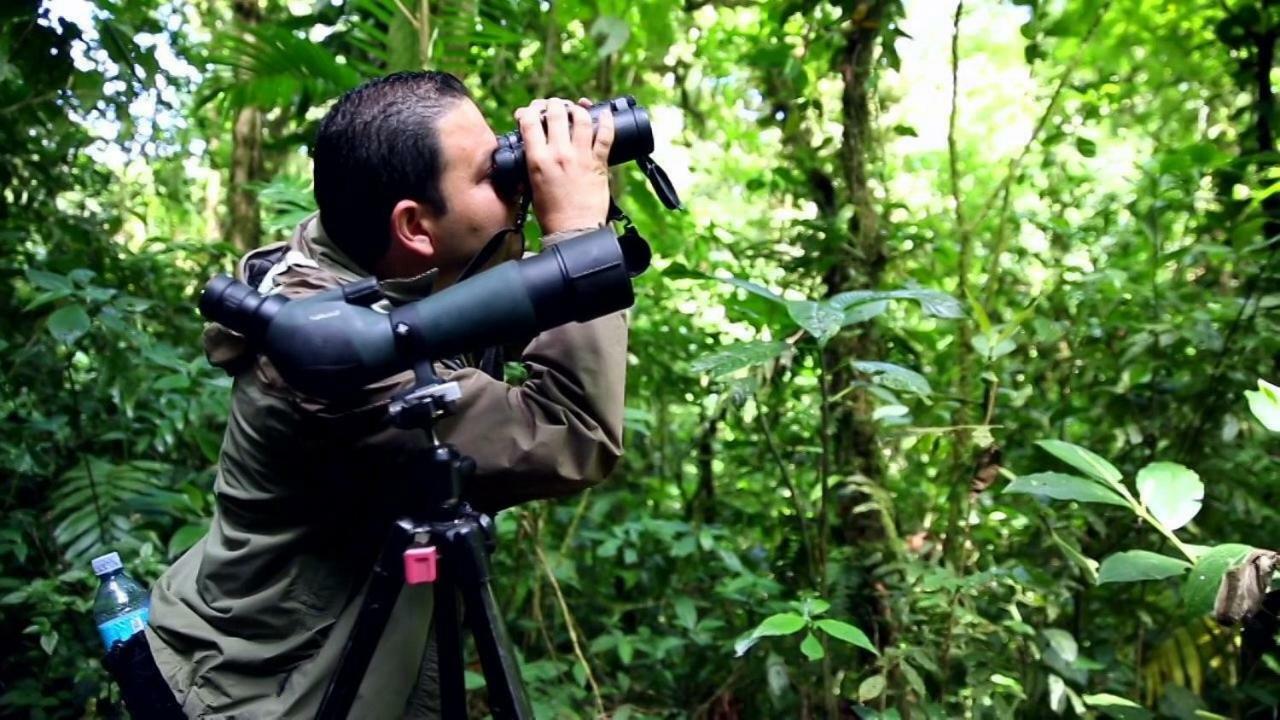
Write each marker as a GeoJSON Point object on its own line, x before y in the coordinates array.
{"type": "Point", "coordinates": [108, 563]}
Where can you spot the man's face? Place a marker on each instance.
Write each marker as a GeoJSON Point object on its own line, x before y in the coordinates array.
{"type": "Point", "coordinates": [474, 209]}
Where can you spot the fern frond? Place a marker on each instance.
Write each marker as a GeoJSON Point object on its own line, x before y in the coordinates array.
{"type": "Point", "coordinates": [98, 503]}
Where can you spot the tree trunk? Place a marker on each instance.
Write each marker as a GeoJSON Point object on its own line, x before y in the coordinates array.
{"type": "Point", "coordinates": [244, 228]}
{"type": "Point", "coordinates": [865, 251]}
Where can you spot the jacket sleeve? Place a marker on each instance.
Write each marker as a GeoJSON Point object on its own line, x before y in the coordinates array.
{"type": "Point", "coordinates": [558, 432]}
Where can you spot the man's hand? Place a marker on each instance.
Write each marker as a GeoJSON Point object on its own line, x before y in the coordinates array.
{"type": "Point", "coordinates": [568, 167]}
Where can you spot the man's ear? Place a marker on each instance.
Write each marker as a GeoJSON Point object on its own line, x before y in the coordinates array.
{"type": "Point", "coordinates": [411, 231]}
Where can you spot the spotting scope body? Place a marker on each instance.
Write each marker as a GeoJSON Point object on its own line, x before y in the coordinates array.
{"type": "Point", "coordinates": [332, 343]}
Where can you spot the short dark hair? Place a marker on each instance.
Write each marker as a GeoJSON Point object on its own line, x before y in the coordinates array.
{"type": "Point", "coordinates": [377, 146]}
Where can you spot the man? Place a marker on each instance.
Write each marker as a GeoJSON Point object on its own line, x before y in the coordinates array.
{"type": "Point", "coordinates": [251, 621]}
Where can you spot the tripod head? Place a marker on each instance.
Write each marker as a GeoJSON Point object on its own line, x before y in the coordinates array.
{"type": "Point", "coordinates": [427, 401]}
{"type": "Point", "coordinates": [442, 541]}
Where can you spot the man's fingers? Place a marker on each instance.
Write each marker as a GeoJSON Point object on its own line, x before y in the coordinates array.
{"type": "Point", "coordinates": [581, 127]}
{"type": "Point", "coordinates": [604, 137]}
{"type": "Point", "coordinates": [531, 130]}
{"type": "Point", "coordinates": [557, 124]}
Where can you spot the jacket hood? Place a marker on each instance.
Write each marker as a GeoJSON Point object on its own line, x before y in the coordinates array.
{"type": "Point", "coordinates": [307, 263]}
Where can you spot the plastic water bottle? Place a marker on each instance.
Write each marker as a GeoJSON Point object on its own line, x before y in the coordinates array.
{"type": "Point", "coordinates": [122, 606]}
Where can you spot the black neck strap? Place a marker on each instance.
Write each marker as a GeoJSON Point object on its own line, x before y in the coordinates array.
{"type": "Point", "coordinates": [496, 242]}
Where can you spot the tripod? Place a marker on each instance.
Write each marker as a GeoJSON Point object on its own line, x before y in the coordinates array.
{"type": "Point", "coordinates": [442, 541]}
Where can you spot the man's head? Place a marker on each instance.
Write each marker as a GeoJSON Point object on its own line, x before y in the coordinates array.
{"type": "Point", "coordinates": [402, 168]}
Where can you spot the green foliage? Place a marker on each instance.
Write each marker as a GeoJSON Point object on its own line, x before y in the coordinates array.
{"type": "Point", "coordinates": [790, 623]}
{"type": "Point", "coordinates": [829, 417]}
{"type": "Point", "coordinates": [1134, 565]}
{"type": "Point", "coordinates": [1065, 487]}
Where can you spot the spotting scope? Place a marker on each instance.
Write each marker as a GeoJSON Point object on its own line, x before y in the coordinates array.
{"type": "Point", "coordinates": [334, 343]}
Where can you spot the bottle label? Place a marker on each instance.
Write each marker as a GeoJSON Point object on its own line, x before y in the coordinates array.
{"type": "Point", "coordinates": [122, 628]}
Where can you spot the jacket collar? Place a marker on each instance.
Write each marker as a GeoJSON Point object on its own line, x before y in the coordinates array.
{"type": "Point", "coordinates": [313, 242]}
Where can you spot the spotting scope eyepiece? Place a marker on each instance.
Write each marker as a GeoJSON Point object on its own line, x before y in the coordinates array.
{"type": "Point", "coordinates": [326, 346]}
{"type": "Point", "coordinates": [230, 302]}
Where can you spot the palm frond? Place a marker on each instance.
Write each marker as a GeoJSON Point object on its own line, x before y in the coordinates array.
{"type": "Point", "coordinates": [271, 67]}
{"type": "Point", "coordinates": [1185, 658]}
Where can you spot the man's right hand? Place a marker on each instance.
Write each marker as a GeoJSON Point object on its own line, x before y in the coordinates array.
{"type": "Point", "coordinates": [568, 164]}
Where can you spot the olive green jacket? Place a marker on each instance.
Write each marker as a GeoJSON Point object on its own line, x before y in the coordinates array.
{"type": "Point", "coordinates": [250, 622]}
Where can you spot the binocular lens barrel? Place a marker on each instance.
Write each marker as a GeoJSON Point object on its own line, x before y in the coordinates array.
{"type": "Point", "coordinates": [632, 139]}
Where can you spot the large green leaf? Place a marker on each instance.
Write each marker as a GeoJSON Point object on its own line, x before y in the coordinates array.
{"type": "Point", "coordinates": [1061, 486]}
{"type": "Point", "coordinates": [871, 688]}
{"type": "Point", "coordinates": [933, 302]}
{"type": "Point", "coordinates": [1171, 492]}
{"type": "Point", "coordinates": [610, 34]}
{"type": "Point", "coordinates": [49, 281]}
{"type": "Point", "coordinates": [737, 356]}
{"type": "Point", "coordinates": [68, 323]}
{"type": "Point", "coordinates": [1057, 693]}
{"type": "Point", "coordinates": [751, 287]}
{"type": "Point", "coordinates": [772, 626]}
{"type": "Point", "coordinates": [895, 377]}
{"type": "Point", "coordinates": [1265, 404]}
{"type": "Point", "coordinates": [848, 633]}
{"type": "Point", "coordinates": [822, 320]}
{"type": "Point", "coordinates": [1201, 588]}
{"type": "Point", "coordinates": [1117, 707]}
{"type": "Point", "coordinates": [779, 624]}
{"type": "Point", "coordinates": [1082, 459]}
{"type": "Point", "coordinates": [1063, 643]}
{"type": "Point", "coordinates": [1137, 565]}
{"type": "Point", "coordinates": [686, 613]}
{"type": "Point", "coordinates": [812, 648]}
{"type": "Point", "coordinates": [863, 312]}
{"type": "Point", "coordinates": [269, 66]}
{"type": "Point", "coordinates": [185, 537]}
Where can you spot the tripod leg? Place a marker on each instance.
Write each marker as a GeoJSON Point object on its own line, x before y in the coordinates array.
{"type": "Point", "coordinates": [453, 690]}
{"type": "Point", "coordinates": [497, 656]}
{"type": "Point", "coordinates": [384, 586]}
{"type": "Point", "coordinates": [470, 570]}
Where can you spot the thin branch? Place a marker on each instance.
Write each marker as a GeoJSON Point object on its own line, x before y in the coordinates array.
{"type": "Point", "coordinates": [77, 424]}
{"type": "Point", "coordinates": [952, 155]}
{"type": "Point", "coordinates": [702, 709]}
{"type": "Point", "coordinates": [1044, 118]}
{"type": "Point", "coordinates": [573, 524]}
{"type": "Point", "coordinates": [965, 370]}
{"type": "Point", "coordinates": [536, 601]}
{"type": "Point", "coordinates": [550, 44]}
{"type": "Point", "coordinates": [824, 468]}
{"type": "Point", "coordinates": [408, 15]}
{"type": "Point", "coordinates": [791, 489]}
{"type": "Point", "coordinates": [33, 100]}
{"type": "Point", "coordinates": [1002, 237]}
{"type": "Point", "coordinates": [569, 624]}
